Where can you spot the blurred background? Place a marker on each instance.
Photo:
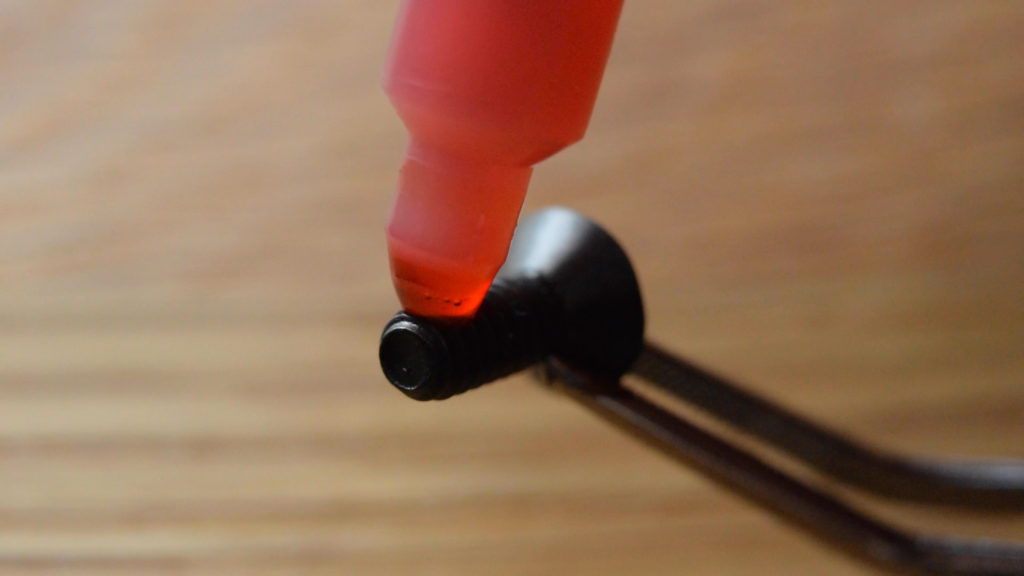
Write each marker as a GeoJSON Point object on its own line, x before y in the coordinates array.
{"type": "Point", "coordinates": [824, 200]}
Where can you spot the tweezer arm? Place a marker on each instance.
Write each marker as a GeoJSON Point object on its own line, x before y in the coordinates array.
{"type": "Point", "coordinates": [982, 484]}
{"type": "Point", "coordinates": [829, 519]}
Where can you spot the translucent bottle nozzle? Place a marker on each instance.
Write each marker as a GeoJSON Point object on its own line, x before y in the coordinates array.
{"type": "Point", "coordinates": [486, 89]}
{"type": "Point", "coordinates": [450, 229]}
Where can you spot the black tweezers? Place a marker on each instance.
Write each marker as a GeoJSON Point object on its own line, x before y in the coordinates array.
{"type": "Point", "coordinates": [987, 485]}
{"type": "Point", "coordinates": [567, 298]}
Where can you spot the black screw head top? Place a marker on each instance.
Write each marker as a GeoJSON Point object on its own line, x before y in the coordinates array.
{"type": "Point", "coordinates": [567, 289]}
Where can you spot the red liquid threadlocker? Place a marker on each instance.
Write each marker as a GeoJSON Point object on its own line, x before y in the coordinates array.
{"type": "Point", "coordinates": [486, 89]}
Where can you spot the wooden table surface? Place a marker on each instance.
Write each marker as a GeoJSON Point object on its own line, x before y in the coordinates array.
{"type": "Point", "coordinates": [824, 201]}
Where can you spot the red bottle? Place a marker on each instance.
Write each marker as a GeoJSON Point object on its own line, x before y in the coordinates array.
{"type": "Point", "coordinates": [486, 88]}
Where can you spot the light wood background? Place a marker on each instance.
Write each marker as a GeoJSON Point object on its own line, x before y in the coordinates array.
{"type": "Point", "coordinates": [824, 200]}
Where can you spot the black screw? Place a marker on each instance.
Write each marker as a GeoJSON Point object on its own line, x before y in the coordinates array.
{"type": "Point", "coordinates": [567, 289]}
{"type": "Point", "coordinates": [517, 325]}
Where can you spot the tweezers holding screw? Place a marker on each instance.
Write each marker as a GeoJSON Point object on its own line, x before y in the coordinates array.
{"type": "Point", "coordinates": [568, 298]}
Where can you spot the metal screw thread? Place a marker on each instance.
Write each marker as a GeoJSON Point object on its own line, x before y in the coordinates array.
{"type": "Point", "coordinates": [518, 324]}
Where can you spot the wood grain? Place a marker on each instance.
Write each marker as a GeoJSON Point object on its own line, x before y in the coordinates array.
{"type": "Point", "coordinates": [823, 200]}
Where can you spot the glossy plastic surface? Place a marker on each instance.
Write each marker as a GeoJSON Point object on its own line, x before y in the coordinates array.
{"type": "Point", "coordinates": [486, 89]}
